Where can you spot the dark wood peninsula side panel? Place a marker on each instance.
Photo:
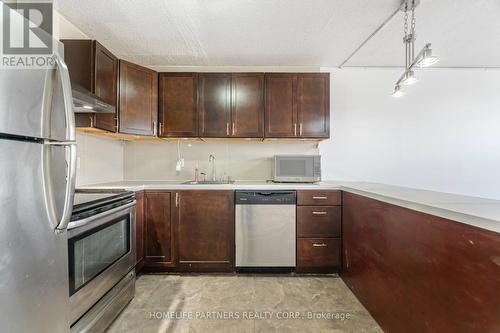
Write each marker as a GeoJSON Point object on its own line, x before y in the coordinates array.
{"type": "Point", "coordinates": [416, 272]}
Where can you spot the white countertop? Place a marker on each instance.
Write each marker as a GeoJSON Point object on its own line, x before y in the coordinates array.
{"type": "Point", "coordinates": [482, 213]}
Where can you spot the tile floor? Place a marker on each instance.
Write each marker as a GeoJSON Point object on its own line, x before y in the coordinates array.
{"type": "Point", "coordinates": [243, 303]}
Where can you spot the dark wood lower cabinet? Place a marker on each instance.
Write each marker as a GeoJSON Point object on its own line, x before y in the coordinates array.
{"type": "Point", "coordinates": [205, 230]}
{"type": "Point", "coordinates": [416, 272]}
{"type": "Point", "coordinates": [318, 255]}
{"type": "Point", "coordinates": [319, 231]}
{"type": "Point", "coordinates": [319, 221]}
{"type": "Point", "coordinates": [159, 249]}
{"type": "Point", "coordinates": [139, 230]}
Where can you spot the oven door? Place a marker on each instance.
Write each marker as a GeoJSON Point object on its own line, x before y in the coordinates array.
{"type": "Point", "coordinates": [101, 251]}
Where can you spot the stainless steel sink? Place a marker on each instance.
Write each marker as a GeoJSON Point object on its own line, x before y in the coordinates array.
{"type": "Point", "coordinates": [208, 182]}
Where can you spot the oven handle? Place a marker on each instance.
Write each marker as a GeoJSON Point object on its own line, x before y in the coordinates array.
{"type": "Point", "coordinates": [90, 219]}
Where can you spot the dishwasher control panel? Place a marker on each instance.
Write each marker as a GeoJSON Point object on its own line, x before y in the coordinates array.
{"type": "Point", "coordinates": [266, 197]}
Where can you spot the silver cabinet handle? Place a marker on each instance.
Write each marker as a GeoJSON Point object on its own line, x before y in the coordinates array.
{"type": "Point", "coordinates": [233, 129]}
{"type": "Point", "coordinates": [91, 120]}
{"type": "Point", "coordinates": [161, 129]}
{"type": "Point", "coordinates": [295, 129]}
{"type": "Point", "coordinates": [320, 198]}
{"type": "Point", "coordinates": [320, 245]}
{"type": "Point", "coordinates": [300, 129]}
{"type": "Point", "coordinates": [227, 129]}
{"type": "Point", "coordinates": [154, 128]}
{"type": "Point", "coordinates": [319, 213]}
{"type": "Point", "coordinates": [176, 199]}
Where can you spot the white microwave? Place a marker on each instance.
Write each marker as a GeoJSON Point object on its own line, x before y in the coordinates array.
{"type": "Point", "coordinates": [296, 168]}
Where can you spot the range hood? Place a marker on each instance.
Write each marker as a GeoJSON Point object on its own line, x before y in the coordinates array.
{"type": "Point", "coordinates": [86, 102]}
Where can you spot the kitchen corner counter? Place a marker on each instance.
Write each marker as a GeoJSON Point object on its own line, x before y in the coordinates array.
{"type": "Point", "coordinates": [477, 212]}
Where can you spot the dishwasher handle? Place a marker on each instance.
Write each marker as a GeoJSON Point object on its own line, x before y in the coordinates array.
{"type": "Point", "coordinates": [266, 197]}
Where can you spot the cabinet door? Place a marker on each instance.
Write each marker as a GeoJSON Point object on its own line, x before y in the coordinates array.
{"type": "Point", "coordinates": [139, 229]}
{"type": "Point", "coordinates": [247, 109]}
{"type": "Point", "coordinates": [313, 104]}
{"type": "Point", "coordinates": [214, 104]}
{"type": "Point", "coordinates": [159, 249]}
{"type": "Point", "coordinates": [138, 110]}
{"type": "Point", "coordinates": [205, 230]}
{"type": "Point", "coordinates": [280, 109]}
{"type": "Point", "coordinates": [105, 86]}
{"type": "Point", "coordinates": [178, 115]}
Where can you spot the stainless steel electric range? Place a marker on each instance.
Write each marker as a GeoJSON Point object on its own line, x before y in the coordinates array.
{"type": "Point", "coordinates": [101, 255]}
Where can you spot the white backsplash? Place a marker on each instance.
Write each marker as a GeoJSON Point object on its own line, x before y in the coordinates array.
{"type": "Point", "coordinates": [239, 160]}
{"type": "Point", "coordinates": [100, 160]}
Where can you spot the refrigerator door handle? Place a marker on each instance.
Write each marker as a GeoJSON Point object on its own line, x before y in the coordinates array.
{"type": "Point", "coordinates": [68, 98]}
{"type": "Point", "coordinates": [70, 188]}
{"type": "Point", "coordinates": [69, 143]}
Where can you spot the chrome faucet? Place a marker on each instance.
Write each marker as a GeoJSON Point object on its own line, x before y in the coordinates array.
{"type": "Point", "coordinates": [211, 159]}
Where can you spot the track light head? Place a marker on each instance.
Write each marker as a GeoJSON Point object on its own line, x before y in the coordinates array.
{"type": "Point", "coordinates": [427, 58]}
{"type": "Point", "coordinates": [409, 78]}
{"type": "Point", "coordinates": [397, 92]}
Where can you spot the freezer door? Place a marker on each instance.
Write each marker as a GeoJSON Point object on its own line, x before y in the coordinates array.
{"type": "Point", "coordinates": [31, 100]}
{"type": "Point", "coordinates": [33, 256]}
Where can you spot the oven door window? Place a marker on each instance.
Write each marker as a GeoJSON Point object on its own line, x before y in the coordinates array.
{"type": "Point", "coordinates": [94, 251]}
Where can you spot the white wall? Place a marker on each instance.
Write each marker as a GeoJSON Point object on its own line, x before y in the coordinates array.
{"type": "Point", "coordinates": [100, 160]}
{"type": "Point", "coordinates": [443, 135]}
{"type": "Point", "coordinates": [239, 160]}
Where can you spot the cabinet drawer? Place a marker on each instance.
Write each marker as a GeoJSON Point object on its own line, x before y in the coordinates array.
{"type": "Point", "coordinates": [318, 253]}
{"type": "Point", "coordinates": [320, 198]}
{"type": "Point", "coordinates": [319, 221]}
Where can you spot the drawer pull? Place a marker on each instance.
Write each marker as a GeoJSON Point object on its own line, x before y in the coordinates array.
{"type": "Point", "coordinates": [319, 245]}
{"type": "Point", "coordinates": [320, 198]}
{"type": "Point", "coordinates": [319, 213]}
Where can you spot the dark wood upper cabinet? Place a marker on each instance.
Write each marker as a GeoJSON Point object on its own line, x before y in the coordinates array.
{"type": "Point", "coordinates": [105, 85]}
{"type": "Point", "coordinates": [205, 230]}
{"type": "Point", "coordinates": [94, 68]}
{"type": "Point", "coordinates": [138, 105]}
{"type": "Point", "coordinates": [313, 105]}
{"type": "Point", "coordinates": [297, 105]}
{"type": "Point", "coordinates": [214, 104]}
{"type": "Point", "coordinates": [178, 113]}
{"type": "Point", "coordinates": [159, 230]}
{"type": "Point", "coordinates": [247, 105]}
{"type": "Point", "coordinates": [281, 106]}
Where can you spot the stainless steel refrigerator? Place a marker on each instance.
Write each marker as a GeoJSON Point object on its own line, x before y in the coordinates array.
{"type": "Point", "coordinates": [37, 181]}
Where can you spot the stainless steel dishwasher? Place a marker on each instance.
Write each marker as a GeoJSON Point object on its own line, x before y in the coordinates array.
{"type": "Point", "coordinates": [265, 230]}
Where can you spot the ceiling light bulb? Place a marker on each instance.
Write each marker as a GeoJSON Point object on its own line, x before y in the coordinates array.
{"type": "Point", "coordinates": [427, 59]}
{"type": "Point", "coordinates": [397, 92]}
{"type": "Point", "coordinates": [409, 78]}
{"type": "Point", "coordinates": [88, 107]}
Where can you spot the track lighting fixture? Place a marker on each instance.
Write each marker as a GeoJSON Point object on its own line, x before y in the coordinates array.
{"type": "Point", "coordinates": [423, 59]}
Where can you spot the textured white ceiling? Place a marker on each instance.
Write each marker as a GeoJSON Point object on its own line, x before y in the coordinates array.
{"type": "Point", "coordinates": [284, 32]}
